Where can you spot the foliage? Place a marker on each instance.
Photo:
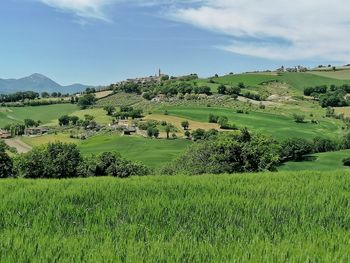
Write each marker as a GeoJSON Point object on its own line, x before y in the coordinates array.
{"type": "Point", "coordinates": [228, 154]}
{"type": "Point", "coordinates": [298, 118]}
{"type": "Point", "coordinates": [86, 101]}
{"type": "Point", "coordinates": [6, 165]}
{"type": "Point", "coordinates": [346, 161]}
{"type": "Point", "coordinates": [294, 149]}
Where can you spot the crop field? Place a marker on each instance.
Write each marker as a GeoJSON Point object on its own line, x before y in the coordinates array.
{"type": "Point", "coordinates": [279, 126]}
{"type": "Point", "coordinates": [154, 153]}
{"type": "Point", "coordinates": [297, 81]}
{"type": "Point", "coordinates": [295, 217]}
{"type": "Point", "coordinates": [339, 74]}
{"type": "Point", "coordinates": [49, 138]}
{"type": "Point", "coordinates": [100, 115]}
{"type": "Point", "coordinates": [46, 114]}
{"type": "Point", "coordinates": [329, 161]}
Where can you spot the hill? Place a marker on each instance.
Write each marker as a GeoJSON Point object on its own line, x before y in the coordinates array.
{"type": "Point", "coordinates": [270, 217]}
{"type": "Point", "coordinates": [38, 83]}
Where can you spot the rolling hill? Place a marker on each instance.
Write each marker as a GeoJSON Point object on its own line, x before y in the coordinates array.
{"type": "Point", "coordinates": [38, 83]}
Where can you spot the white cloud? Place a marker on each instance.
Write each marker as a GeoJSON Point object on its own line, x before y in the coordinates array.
{"type": "Point", "coordinates": [82, 8]}
{"type": "Point", "coordinates": [276, 29]}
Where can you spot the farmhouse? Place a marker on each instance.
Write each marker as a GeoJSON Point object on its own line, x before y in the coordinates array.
{"type": "Point", "coordinates": [36, 131]}
{"type": "Point", "coordinates": [5, 134]}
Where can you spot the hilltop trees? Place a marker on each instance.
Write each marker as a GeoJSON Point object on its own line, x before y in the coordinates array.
{"type": "Point", "coordinates": [86, 101]}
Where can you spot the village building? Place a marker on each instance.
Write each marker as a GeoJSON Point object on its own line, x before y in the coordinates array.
{"type": "Point", "coordinates": [5, 134]}
{"type": "Point", "coordinates": [36, 131]}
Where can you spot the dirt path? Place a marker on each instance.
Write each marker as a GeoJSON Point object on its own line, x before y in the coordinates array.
{"type": "Point", "coordinates": [18, 144]}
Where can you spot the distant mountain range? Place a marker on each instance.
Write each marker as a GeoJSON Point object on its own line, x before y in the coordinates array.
{"type": "Point", "coordinates": [38, 83]}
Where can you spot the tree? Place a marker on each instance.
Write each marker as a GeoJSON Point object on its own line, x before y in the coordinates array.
{"type": "Point", "coordinates": [86, 101]}
{"type": "Point", "coordinates": [110, 110]}
{"type": "Point", "coordinates": [213, 118]}
{"type": "Point", "coordinates": [167, 130]}
{"type": "Point", "coordinates": [223, 122]}
{"type": "Point", "coordinates": [30, 123]}
{"type": "Point", "coordinates": [74, 119]}
{"type": "Point", "coordinates": [225, 154]}
{"type": "Point", "coordinates": [241, 85]}
{"type": "Point", "coordinates": [222, 89]}
{"type": "Point", "coordinates": [298, 118]}
{"type": "Point", "coordinates": [45, 94]}
{"type": "Point", "coordinates": [295, 149]}
{"type": "Point", "coordinates": [56, 160]}
{"type": "Point", "coordinates": [233, 91]}
{"type": "Point", "coordinates": [198, 134]}
{"type": "Point", "coordinates": [185, 125]}
{"type": "Point", "coordinates": [6, 165]}
{"type": "Point", "coordinates": [187, 134]}
{"type": "Point", "coordinates": [64, 120]}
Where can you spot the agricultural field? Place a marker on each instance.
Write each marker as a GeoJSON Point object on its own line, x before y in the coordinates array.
{"type": "Point", "coordinates": [46, 114]}
{"type": "Point", "coordinates": [329, 161]}
{"type": "Point", "coordinates": [152, 152]}
{"type": "Point", "coordinates": [280, 126]}
{"type": "Point", "coordinates": [269, 217]}
{"type": "Point", "coordinates": [343, 74]}
{"type": "Point", "coordinates": [296, 81]}
{"type": "Point", "coordinates": [99, 115]}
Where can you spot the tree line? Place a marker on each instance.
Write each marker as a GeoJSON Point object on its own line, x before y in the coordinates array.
{"type": "Point", "coordinates": [60, 160]}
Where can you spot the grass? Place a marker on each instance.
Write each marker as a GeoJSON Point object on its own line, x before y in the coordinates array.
{"type": "Point", "coordinates": [152, 152]}
{"type": "Point", "coordinates": [343, 74]}
{"type": "Point", "coordinates": [329, 161]}
{"type": "Point", "coordinates": [280, 126]}
{"type": "Point", "coordinates": [46, 114]}
{"type": "Point", "coordinates": [282, 217]}
{"type": "Point", "coordinates": [99, 114]}
{"type": "Point", "coordinates": [40, 140]}
{"type": "Point", "coordinates": [297, 81]}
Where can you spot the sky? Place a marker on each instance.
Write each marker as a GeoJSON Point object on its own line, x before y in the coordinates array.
{"type": "Point", "coordinates": [98, 42]}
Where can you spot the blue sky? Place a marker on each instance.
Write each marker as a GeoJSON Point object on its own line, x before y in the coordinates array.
{"type": "Point", "coordinates": [102, 41]}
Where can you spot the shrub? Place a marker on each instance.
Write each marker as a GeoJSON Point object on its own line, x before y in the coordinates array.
{"type": "Point", "coordinates": [294, 149]}
{"type": "Point", "coordinates": [298, 118]}
{"type": "Point", "coordinates": [6, 165]}
{"type": "Point", "coordinates": [226, 154]}
{"type": "Point", "coordinates": [346, 161]}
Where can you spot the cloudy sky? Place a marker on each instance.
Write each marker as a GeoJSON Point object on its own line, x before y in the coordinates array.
{"type": "Point", "coordinates": [103, 41]}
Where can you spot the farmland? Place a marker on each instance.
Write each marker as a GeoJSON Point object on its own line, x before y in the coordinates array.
{"type": "Point", "coordinates": [296, 217]}
{"type": "Point", "coordinates": [155, 153]}
{"type": "Point", "coordinates": [280, 126]}
{"type": "Point", "coordinates": [46, 114]}
{"type": "Point", "coordinates": [329, 161]}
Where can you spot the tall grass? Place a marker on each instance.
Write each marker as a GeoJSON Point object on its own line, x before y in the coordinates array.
{"type": "Point", "coordinates": [297, 217]}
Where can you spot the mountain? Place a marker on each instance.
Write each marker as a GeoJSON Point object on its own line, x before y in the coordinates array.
{"type": "Point", "coordinates": [38, 83]}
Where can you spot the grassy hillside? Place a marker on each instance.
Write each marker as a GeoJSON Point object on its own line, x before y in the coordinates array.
{"type": "Point", "coordinates": [329, 161]}
{"type": "Point", "coordinates": [279, 126]}
{"type": "Point", "coordinates": [339, 74]}
{"type": "Point", "coordinates": [282, 217]}
{"type": "Point", "coordinates": [46, 114]}
{"type": "Point", "coordinates": [297, 81]}
{"type": "Point", "coordinates": [152, 152]}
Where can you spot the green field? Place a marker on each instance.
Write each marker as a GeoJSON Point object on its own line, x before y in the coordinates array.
{"type": "Point", "coordinates": [329, 161]}
{"type": "Point", "coordinates": [152, 152]}
{"type": "Point", "coordinates": [297, 81]}
{"type": "Point", "coordinates": [279, 126]}
{"type": "Point", "coordinates": [281, 217]}
{"type": "Point", "coordinates": [46, 114]}
{"type": "Point", "coordinates": [338, 74]}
